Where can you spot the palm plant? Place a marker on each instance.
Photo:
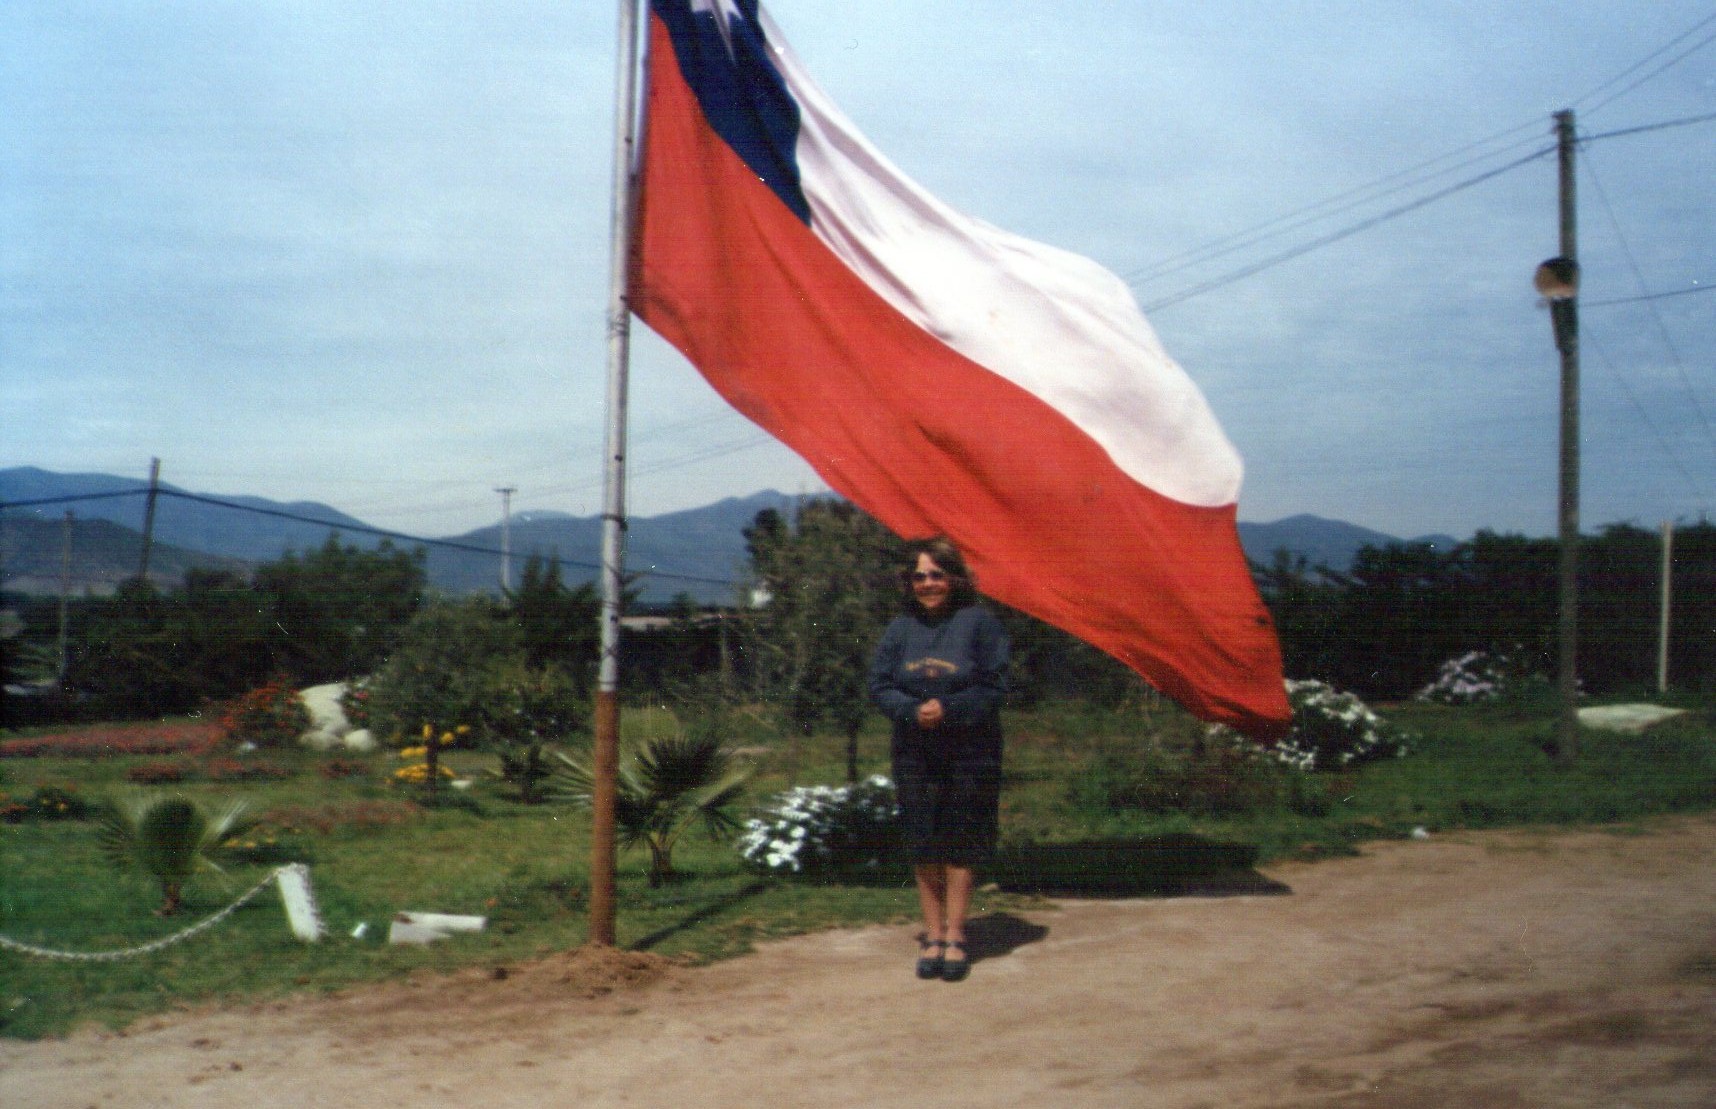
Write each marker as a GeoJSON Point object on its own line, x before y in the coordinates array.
{"type": "Point", "coordinates": [664, 786]}
{"type": "Point", "coordinates": [168, 837]}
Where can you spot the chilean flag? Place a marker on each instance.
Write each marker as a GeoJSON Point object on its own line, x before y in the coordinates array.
{"type": "Point", "coordinates": [944, 375]}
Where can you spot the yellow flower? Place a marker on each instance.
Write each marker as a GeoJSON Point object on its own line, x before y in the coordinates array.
{"type": "Point", "coordinates": [428, 731]}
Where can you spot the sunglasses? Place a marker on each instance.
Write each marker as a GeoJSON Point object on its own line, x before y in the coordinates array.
{"type": "Point", "coordinates": [928, 575]}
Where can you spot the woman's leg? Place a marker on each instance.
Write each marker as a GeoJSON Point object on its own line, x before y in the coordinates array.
{"type": "Point", "coordinates": [933, 899]}
{"type": "Point", "coordinates": [956, 887]}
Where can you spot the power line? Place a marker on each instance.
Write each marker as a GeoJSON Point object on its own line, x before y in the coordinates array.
{"type": "Point", "coordinates": [1646, 296]}
{"type": "Point", "coordinates": [1647, 59]}
{"type": "Point", "coordinates": [1661, 327]}
{"type": "Point", "coordinates": [1314, 213]}
{"type": "Point", "coordinates": [1656, 432]}
{"type": "Point", "coordinates": [360, 529]}
{"type": "Point", "coordinates": [1640, 130]}
{"type": "Point", "coordinates": [1334, 206]}
{"type": "Point", "coordinates": [1343, 233]}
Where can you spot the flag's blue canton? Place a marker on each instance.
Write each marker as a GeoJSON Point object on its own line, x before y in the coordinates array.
{"type": "Point", "coordinates": [741, 92]}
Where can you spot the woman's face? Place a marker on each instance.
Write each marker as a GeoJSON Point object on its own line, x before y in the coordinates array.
{"type": "Point", "coordinates": [929, 584]}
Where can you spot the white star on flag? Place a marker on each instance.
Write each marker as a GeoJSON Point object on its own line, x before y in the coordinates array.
{"type": "Point", "coordinates": [725, 12]}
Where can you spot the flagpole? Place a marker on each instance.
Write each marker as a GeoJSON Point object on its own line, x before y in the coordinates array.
{"type": "Point", "coordinates": [606, 748]}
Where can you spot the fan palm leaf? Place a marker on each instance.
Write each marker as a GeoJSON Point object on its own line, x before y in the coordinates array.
{"type": "Point", "coordinates": [663, 787]}
{"type": "Point", "coordinates": [168, 837]}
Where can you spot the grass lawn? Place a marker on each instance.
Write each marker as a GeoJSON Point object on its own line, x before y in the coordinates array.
{"type": "Point", "coordinates": [372, 852]}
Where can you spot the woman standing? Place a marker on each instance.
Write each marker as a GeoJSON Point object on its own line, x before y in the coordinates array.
{"type": "Point", "coordinates": [939, 674]}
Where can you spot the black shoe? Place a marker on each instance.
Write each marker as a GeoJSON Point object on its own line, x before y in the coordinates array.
{"type": "Point", "coordinates": [955, 970]}
{"type": "Point", "coordinates": [931, 966]}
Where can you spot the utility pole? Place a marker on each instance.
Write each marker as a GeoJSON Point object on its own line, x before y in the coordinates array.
{"type": "Point", "coordinates": [149, 518]}
{"type": "Point", "coordinates": [65, 595]}
{"type": "Point", "coordinates": [1667, 595]}
{"type": "Point", "coordinates": [506, 493]}
{"type": "Point", "coordinates": [1558, 280]}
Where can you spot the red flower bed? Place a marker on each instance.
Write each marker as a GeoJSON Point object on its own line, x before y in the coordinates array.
{"type": "Point", "coordinates": [103, 740]}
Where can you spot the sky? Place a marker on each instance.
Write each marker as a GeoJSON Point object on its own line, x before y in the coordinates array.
{"type": "Point", "coordinates": [358, 253]}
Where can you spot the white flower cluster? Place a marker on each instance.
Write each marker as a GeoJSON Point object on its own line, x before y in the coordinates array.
{"type": "Point", "coordinates": [822, 827]}
{"type": "Point", "coordinates": [1471, 679]}
{"type": "Point", "coordinates": [1332, 729]}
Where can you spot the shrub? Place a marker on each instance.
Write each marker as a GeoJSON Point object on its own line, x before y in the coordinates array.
{"type": "Point", "coordinates": [811, 829]}
{"type": "Point", "coordinates": [519, 704]}
{"type": "Point", "coordinates": [430, 772]}
{"type": "Point", "coordinates": [1225, 775]}
{"type": "Point", "coordinates": [1479, 677]}
{"type": "Point", "coordinates": [270, 716]}
{"type": "Point", "coordinates": [1333, 730]}
{"type": "Point", "coordinates": [440, 667]}
{"type": "Point", "coordinates": [169, 838]}
{"type": "Point", "coordinates": [355, 703]}
{"type": "Point", "coordinates": [49, 802]}
{"type": "Point", "coordinates": [665, 786]}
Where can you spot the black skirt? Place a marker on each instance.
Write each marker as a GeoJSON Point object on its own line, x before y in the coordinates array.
{"type": "Point", "coordinates": [950, 797]}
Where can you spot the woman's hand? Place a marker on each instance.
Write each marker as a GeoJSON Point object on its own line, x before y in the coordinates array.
{"type": "Point", "coordinates": [930, 713]}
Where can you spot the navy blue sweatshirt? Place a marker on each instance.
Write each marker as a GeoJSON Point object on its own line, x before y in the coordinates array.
{"type": "Point", "coordinates": [959, 659]}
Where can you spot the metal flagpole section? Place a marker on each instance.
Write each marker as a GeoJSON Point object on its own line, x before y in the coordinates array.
{"type": "Point", "coordinates": [606, 753]}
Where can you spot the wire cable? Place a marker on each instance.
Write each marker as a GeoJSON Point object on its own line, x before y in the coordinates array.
{"type": "Point", "coordinates": [1350, 200]}
{"type": "Point", "coordinates": [1344, 233]}
{"type": "Point", "coordinates": [1638, 276]}
{"type": "Point", "coordinates": [1647, 59]}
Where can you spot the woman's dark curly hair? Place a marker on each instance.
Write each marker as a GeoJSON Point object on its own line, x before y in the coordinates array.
{"type": "Point", "coordinates": [944, 554]}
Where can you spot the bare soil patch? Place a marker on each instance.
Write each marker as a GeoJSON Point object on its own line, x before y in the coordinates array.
{"type": "Point", "coordinates": [1520, 968]}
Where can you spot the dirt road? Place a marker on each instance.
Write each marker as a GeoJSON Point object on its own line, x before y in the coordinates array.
{"type": "Point", "coordinates": [1496, 969]}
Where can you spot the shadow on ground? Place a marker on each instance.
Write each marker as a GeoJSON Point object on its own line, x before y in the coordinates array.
{"type": "Point", "coordinates": [1179, 865]}
{"type": "Point", "coordinates": [994, 935]}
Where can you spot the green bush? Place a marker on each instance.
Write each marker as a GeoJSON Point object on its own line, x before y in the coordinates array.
{"type": "Point", "coordinates": [465, 664]}
{"type": "Point", "coordinates": [438, 672]}
{"type": "Point", "coordinates": [48, 802]}
{"type": "Point", "coordinates": [1223, 777]}
{"type": "Point", "coordinates": [522, 704]}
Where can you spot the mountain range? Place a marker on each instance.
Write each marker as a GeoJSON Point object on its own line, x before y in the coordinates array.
{"type": "Point", "coordinates": [700, 551]}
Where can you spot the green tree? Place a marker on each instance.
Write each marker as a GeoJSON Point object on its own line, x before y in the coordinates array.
{"type": "Point", "coordinates": [557, 624]}
{"type": "Point", "coordinates": [438, 673]}
{"type": "Point", "coordinates": [827, 577]}
{"type": "Point", "coordinates": [338, 610]}
{"type": "Point", "coordinates": [1400, 614]}
{"type": "Point", "coordinates": [1306, 606]}
{"type": "Point", "coordinates": [133, 656]}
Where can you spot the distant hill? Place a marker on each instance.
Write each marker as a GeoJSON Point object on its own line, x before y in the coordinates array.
{"type": "Point", "coordinates": [180, 521]}
{"type": "Point", "coordinates": [103, 554]}
{"type": "Point", "coordinates": [699, 551]}
{"type": "Point", "coordinates": [1322, 543]}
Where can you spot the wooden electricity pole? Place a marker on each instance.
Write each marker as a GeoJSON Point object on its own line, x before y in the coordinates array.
{"type": "Point", "coordinates": [149, 518]}
{"type": "Point", "coordinates": [1565, 310]}
{"type": "Point", "coordinates": [1664, 608]}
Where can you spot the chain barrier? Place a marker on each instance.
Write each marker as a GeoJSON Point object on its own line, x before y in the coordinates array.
{"type": "Point", "coordinates": [155, 945]}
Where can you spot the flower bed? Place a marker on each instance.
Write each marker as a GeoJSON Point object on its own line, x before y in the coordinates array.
{"type": "Point", "coordinates": [824, 828]}
{"type": "Point", "coordinates": [107, 740]}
